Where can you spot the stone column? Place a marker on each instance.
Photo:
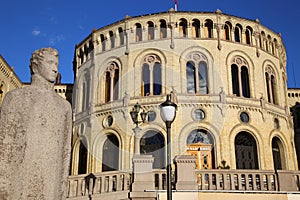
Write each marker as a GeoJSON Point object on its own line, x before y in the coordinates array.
{"type": "Point", "coordinates": [185, 172]}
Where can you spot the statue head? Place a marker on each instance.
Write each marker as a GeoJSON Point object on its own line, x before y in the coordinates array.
{"type": "Point", "coordinates": [44, 62]}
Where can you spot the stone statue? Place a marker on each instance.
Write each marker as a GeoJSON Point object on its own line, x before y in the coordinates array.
{"type": "Point", "coordinates": [35, 136]}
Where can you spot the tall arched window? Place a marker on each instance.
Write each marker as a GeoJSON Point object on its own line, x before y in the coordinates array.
{"type": "Point", "coordinates": [153, 143]}
{"type": "Point", "coordinates": [278, 154]}
{"type": "Point", "coordinates": [121, 36]}
{"type": "Point", "coordinates": [271, 87]}
{"type": "Point", "coordinates": [263, 40]}
{"type": "Point", "coordinates": [151, 76]}
{"type": "Point", "coordinates": [196, 28]}
{"type": "Point", "coordinates": [138, 32]}
{"type": "Point", "coordinates": [183, 28]}
{"type": "Point", "coordinates": [2, 91]}
{"type": "Point", "coordinates": [163, 28]}
{"type": "Point", "coordinates": [112, 82]}
{"type": "Point", "coordinates": [227, 31]}
{"type": "Point", "coordinates": [110, 154]}
{"type": "Point", "coordinates": [103, 42]}
{"type": "Point", "coordinates": [248, 35]}
{"type": "Point", "coordinates": [150, 31]}
{"type": "Point", "coordinates": [238, 33]}
{"type": "Point", "coordinates": [196, 74]}
{"type": "Point", "coordinates": [240, 77]}
{"type": "Point", "coordinates": [245, 151]}
{"type": "Point", "coordinates": [208, 28]}
{"type": "Point", "coordinates": [82, 159]}
{"type": "Point", "coordinates": [112, 39]}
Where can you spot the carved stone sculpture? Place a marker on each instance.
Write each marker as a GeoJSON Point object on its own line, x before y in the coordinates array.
{"type": "Point", "coordinates": [35, 136]}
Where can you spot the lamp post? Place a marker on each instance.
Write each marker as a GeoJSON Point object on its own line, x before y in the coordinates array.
{"type": "Point", "coordinates": [134, 113]}
{"type": "Point", "coordinates": [168, 113]}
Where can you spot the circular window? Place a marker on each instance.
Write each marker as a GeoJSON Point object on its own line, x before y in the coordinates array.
{"type": "Point", "coordinates": [198, 114]}
{"type": "Point", "coordinates": [276, 123]}
{"type": "Point", "coordinates": [151, 116]}
{"type": "Point", "coordinates": [108, 121]}
{"type": "Point", "coordinates": [244, 117]}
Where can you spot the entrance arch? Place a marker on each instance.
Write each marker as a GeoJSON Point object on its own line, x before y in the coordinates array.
{"type": "Point", "coordinates": [153, 143]}
{"type": "Point", "coordinates": [110, 154]}
{"type": "Point", "coordinates": [200, 143]}
{"type": "Point", "coordinates": [278, 154]}
{"type": "Point", "coordinates": [245, 151]}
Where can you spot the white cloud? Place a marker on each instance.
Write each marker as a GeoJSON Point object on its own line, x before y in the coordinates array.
{"type": "Point", "coordinates": [56, 39]}
{"type": "Point", "coordinates": [36, 32]}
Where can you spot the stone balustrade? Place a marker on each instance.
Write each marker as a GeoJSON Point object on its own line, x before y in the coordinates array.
{"type": "Point", "coordinates": [99, 183]}
{"type": "Point", "coordinates": [144, 182]}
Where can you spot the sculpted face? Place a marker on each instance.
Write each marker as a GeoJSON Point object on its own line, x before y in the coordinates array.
{"type": "Point", "coordinates": [48, 67]}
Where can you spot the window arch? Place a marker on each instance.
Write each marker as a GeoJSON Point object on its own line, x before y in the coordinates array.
{"type": "Point", "coordinates": [202, 136]}
{"type": "Point", "coordinates": [2, 91]}
{"type": "Point", "coordinates": [151, 76]}
{"type": "Point", "coordinates": [196, 74]}
{"type": "Point", "coordinates": [238, 33]}
{"type": "Point", "coordinates": [150, 30]}
{"type": "Point", "coordinates": [138, 32]}
{"type": "Point", "coordinates": [103, 42]}
{"type": "Point", "coordinates": [112, 39]}
{"type": "Point", "coordinates": [183, 27]}
{"type": "Point", "coordinates": [245, 151]}
{"type": "Point", "coordinates": [163, 28]}
{"type": "Point", "coordinates": [208, 28]}
{"type": "Point", "coordinates": [240, 77]}
{"type": "Point", "coordinates": [82, 159]}
{"type": "Point", "coordinates": [271, 86]}
{"type": "Point", "coordinates": [110, 153]}
{"type": "Point", "coordinates": [153, 143]}
{"type": "Point", "coordinates": [278, 154]}
{"type": "Point", "coordinates": [227, 31]}
{"type": "Point", "coordinates": [248, 35]}
{"type": "Point", "coordinates": [112, 82]}
{"type": "Point", "coordinates": [263, 40]}
{"type": "Point", "coordinates": [121, 36]}
{"type": "Point", "coordinates": [196, 28]}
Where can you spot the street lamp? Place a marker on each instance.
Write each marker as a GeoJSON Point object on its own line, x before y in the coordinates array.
{"type": "Point", "coordinates": [134, 113]}
{"type": "Point", "coordinates": [168, 113]}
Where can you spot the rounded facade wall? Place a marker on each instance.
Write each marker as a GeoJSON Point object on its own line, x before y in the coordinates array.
{"type": "Point", "coordinates": [227, 76]}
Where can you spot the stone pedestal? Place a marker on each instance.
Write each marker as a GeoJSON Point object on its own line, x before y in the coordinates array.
{"type": "Point", "coordinates": [143, 178]}
{"type": "Point", "coordinates": [186, 178]}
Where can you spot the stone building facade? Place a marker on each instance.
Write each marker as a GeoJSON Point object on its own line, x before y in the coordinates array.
{"type": "Point", "coordinates": [228, 75]}
{"type": "Point", "coordinates": [8, 79]}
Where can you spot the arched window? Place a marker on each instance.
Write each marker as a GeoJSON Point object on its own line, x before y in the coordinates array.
{"type": "Point", "coordinates": [271, 87]}
{"type": "Point", "coordinates": [138, 32]}
{"type": "Point", "coordinates": [208, 28]}
{"type": "Point", "coordinates": [248, 34]}
{"type": "Point", "coordinates": [153, 143]}
{"type": "Point", "coordinates": [196, 74]}
{"type": "Point", "coordinates": [163, 28]}
{"type": "Point", "coordinates": [84, 90]}
{"type": "Point", "coordinates": [112, 39]}
{"type": "Point", "coordinates": [270, 45]}
{"type": "Point", "coordinates": [112, 82]}
{"type": "Point", "coordinates": [227, 31]}
{"type": "Point", "coordinates": [245, 151]}
{"type": "Point", "coordinates": [240, 77]}
{"type": "Point", "coordinates": [278, 154]}
{"type": "Point", "coordinates": [103, 42]}
{"type": "Point", "coordinates": [82, 159]}
{"type": "Point", "coordinates": [150, 31]}
{"type": "Point", "coordinates": [121, 36]}
{"type": "Point", "coordinates": [196, 28]}
{"type": "Point", "coordinates": [110, 154]}
{"type": "Point", "coordinates": [2, 91]}
{"type": "Point", "coordinates": [151, 76]}
{"type": "Point", "coordinates": [263, 40]}
{"type": "Point", "coordinates": [238, 33]}
{"type": "Point", "coordinates": [200, 137]}
{"type": "Point", "coordinates": [183, 28]}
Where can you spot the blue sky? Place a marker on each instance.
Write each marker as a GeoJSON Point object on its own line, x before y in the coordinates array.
{"type": "Point", "coordinates": [32, 24]}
